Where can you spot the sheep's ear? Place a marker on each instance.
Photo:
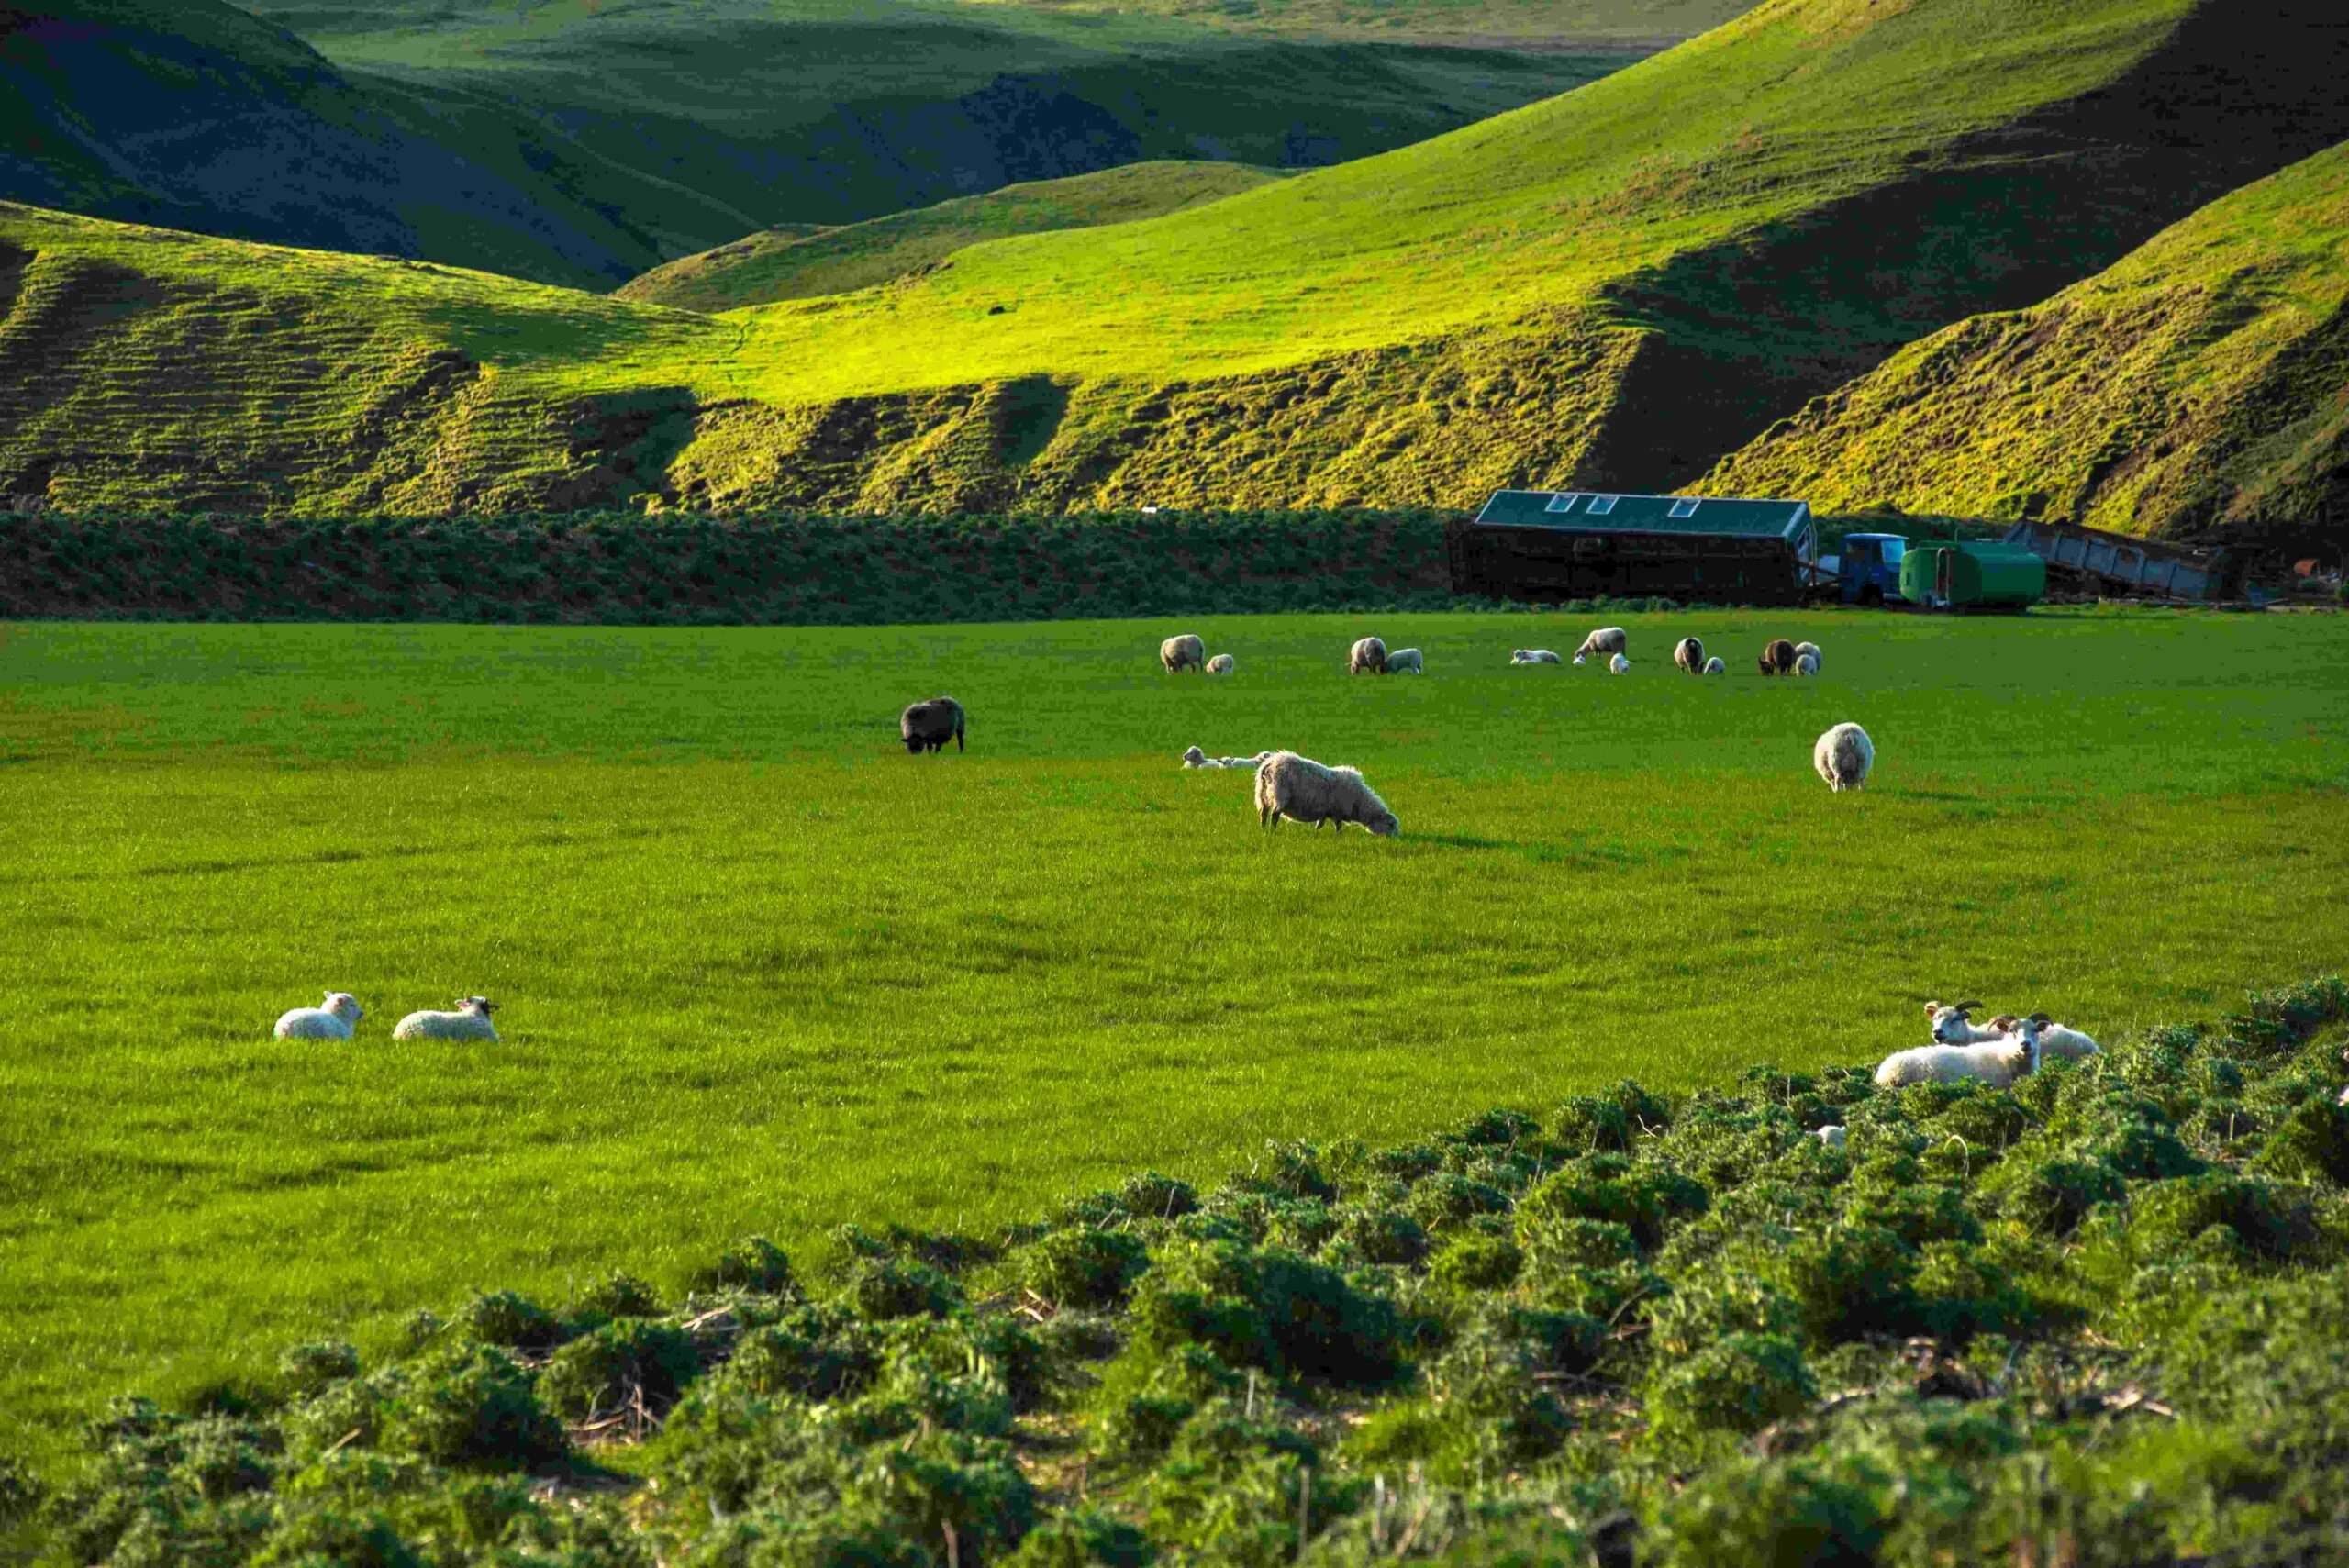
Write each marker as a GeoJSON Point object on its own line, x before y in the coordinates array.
{"type": "Point", "coordinates": [1931, 1007]}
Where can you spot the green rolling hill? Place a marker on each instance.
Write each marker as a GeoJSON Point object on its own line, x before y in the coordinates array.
{"type": "Point", "coordinates": [803, 262]}
{"type": "Point", "coordinates": [2198, 386]}
{"type": "Point", "coordinates": [1615, 287]}
{"type": "Point", "coordinates": [584, 143]}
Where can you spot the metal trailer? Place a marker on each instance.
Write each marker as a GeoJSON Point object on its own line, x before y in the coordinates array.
{"type": "Point", "coordinates": [1972, 574]}
{"type": "Point", "coordinates": [2116, 561]}
{"type": "Point", "coordinates": [1549, 545]}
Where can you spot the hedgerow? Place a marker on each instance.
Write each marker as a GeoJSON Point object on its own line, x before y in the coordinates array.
{"type": "Point", "coordinates": [2085, 1322]}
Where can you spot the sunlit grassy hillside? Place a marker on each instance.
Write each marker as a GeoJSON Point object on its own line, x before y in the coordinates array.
{"type": "Point", "coordinates": [1526, 21]}
{"type": "Point", "coordinates": [582, 144]}
{"type": "Point", "coordinates": [801, 264]}
{"type": "Point", "coordinates": [1616, 286]}
{"type": "Point", "coordinates": [2202, 381]}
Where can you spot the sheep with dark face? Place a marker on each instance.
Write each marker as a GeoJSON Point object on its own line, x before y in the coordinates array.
{"type": "Point", "coordinates": [1367, 657]}
{"type": "Point", "coordinates": [928, 725]}
{"type": "Point", "coordinates": [1779, 659]}
{"type": "Point", "coordinates": [1181, 653]}
{"type": "Point", "coordinates": [1306, 791]}
{"type": "Point", "coordinates": [1690, 656]}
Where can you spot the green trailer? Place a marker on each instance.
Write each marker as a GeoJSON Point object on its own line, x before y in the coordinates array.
{"type": "Point", "coordinates": [1972, 574]}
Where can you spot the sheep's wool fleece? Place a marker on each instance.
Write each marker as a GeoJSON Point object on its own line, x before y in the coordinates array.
{"type": "Point", "coordinates": [444, 1025]}
{"type": "Point", "coordinates": [313, 1023]}
{"type": "Point", "coordinates": [1306, 791]}
{"type": "Point", "coordinates": [1844, 757]}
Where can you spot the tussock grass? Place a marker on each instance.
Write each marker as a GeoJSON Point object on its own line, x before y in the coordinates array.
{"type": "Point", "coordinates": [762, 971]}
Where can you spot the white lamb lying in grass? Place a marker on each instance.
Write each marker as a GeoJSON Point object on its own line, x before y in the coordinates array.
{"type": "Point", "coordinates": [1998, 1062]}
{"type": "Point", "coordinates": [1533, 656]}
{"type": "Point", "coordinates": [1195, 758]}
{"type": "Point", "coordinates": [470, 1021]}
{"type": "Point", "coordinates": [337, 1019]}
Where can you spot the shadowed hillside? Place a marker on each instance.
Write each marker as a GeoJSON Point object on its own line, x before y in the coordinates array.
{"type": "Point", "coordinates": [2200, 385]}
{"type": "Point", "coordinates": [1612, 288]}
{"type": "Point", "coordinates": [584, 144]}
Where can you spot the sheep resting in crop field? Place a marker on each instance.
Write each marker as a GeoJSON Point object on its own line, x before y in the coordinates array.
{"type": "Point", "coordinates": [335, 1018]}
{"type": "Point", "coordinates": [1778, 658]}
{"type": "Point", "coordinates": [1181, 653]}
{"type": "Point", "coordinates": [1222, 665]}
{"type": "Point", "coordinates": [1533, 656]}
{"type": "Point", "coordinates": [1690, 656]}
{"type": "Point", "coordinates": [1195, 758]}
{"type": "Point", "coordinates": [1951, 1025]}
{"type": "Point", "coordinates": [1998, 1062]}
{"type": "Point", "coordinates": [1367, 657]}
{"type": "Point", "coordinates": [1844, 756]}
{"type": "Point", "coordinates": [2055, 1040]}
{"type": "Point", "coordinates": [470, 1021]}
{"type": "Point", "coordinates": [928, 725]}
{"type": "Point", "coordinates": [1306, 791]}
{"type": "Point", "coordinates": [1606, 639]}
{"type": "Point", "coordinates": [1406, 662]}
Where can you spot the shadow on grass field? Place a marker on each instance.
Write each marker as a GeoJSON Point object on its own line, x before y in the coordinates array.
{"type": "Point", "coordinates": [762, 971]}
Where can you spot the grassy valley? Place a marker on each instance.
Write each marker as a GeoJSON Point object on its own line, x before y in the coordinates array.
{"type": "Point", "coordinates": [1616, 287]}
{"type": "Point", "coordinates": [583, 144]}
{"type": "Point", "coordinates": [2199, 386]}
{"type": "Point", "coordinates": [803, 262]}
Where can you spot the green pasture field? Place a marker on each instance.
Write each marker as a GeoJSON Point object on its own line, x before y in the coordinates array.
{"type": "Point", "coordinates": [763, 971]}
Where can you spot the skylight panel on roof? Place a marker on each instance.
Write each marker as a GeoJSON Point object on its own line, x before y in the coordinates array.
{"type": "Point", "coordinates": [1602, 505]}
{"type": "Point", "coordinates": [1564, 503]}
{"type": "Point", "coordinates": [1684, 508]}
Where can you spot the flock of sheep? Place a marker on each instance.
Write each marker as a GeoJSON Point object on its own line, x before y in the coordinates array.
{"type": "Point", "coordinates": [338, 1018]}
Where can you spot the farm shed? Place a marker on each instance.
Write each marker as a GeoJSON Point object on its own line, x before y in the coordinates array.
{"type": "Point", "coordinates": [1972, 574]}
{"type": "Point", "coordinates": [1562, 544]}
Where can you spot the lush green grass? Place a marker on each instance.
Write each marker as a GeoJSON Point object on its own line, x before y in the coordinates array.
{"type": "Point", "coordinates": [801, 264]}
{"type": "Point", "coordinates": [1613, 287]}
{"type": "Point", "coordinates": [2199, 382]}
{"type": "Point", "coordinates": [1533, 22]}
{"type": "Point", "coordinates": [762, 970]}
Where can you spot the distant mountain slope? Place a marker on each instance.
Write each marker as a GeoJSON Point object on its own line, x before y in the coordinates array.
{"type": "Point", "coordinates": [802, 263]}
{"type": "Point", "coordinates": [2200, 385]}
{"type": "Point", "coordinates": [1528, 20]}
{"type": "Point", "coordinates": [1615, 287]}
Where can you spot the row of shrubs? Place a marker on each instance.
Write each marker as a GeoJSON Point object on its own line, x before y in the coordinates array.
{"type": "Point", "coordinates": [2094, 1320]}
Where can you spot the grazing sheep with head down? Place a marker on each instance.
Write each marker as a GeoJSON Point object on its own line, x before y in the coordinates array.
{"type": "Point", "coordinates": [1222, 665]}
{"type": "Point", "coordinates": [1807, 664]}
{"type": "Point", "coordinates": [1690, 656]}
{"type": "Point", "coordinates": [1306, 791]}
{"type": "Point", "coordinates": [1367, 657]}
{"type": "Point", "coordinates": [336, 1018]}
{"type": "Point", "coordinates": [1181, 653]}
{"type": "Point", "coordinates": [1533, 656]}
{"type": "Point", "coordinates": [1606, 639]}
{"type": "Point", "coordinates": [470, 1021]}
{"type": "Point", "coordinates": [1778, 658]}
{"type": "Point", "coordinates": [1617, 664]}
{"type": "Point", "coordinates": [1716, 665]}
{"type": "Point", "coordinates": [1811, 648]}
{"type": "Point", "coordinates": [1406, 662]}
{"type": "Point", "coordinates": [928, 725]}
{"type": "Point", "coordinates": [1843, 757]}
{"type": "Point", "coordinates": [1998, 1062]}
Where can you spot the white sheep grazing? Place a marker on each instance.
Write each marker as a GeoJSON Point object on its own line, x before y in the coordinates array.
{"type": "Point", "coordinates": [1606, 639]}
{"type": "Point", "coordinates": [2063, 1044]}
{"type": "Point", "coordinates": [1716, 665]}
{"type": "Point", "coordinates": [1950, 1026]}
{"type": "Point", "coordinates": [337, 1019]}
{"type": "Point", "coordinates": [1806, 664]}
{"type": "Point", "coordinates": [1306, 791]}
{"type": "Point", "coordinates": [1830, 1136]}
{"type": "Point", "coordinates": [1180, 653]}
{"type": "Point", "coordinates": [1222, 665]}
{"type": "Point", "coordinates": [1690, 656]}
{"type": "Point", "coordinates": [1533, 656]}
{"type": "Point", "coordinates": [1617, 664]}
{"type": "Point", "coordinates": [470, 1021]}
{"type": "Point", "coordinates": [1811, 648]}
{"type": "Point", "coordinates": [1406, 662]}
{"type": "Point", "coordinates": [1368, 657]}
{"type": "Point", "coordinates": [1843, 757]}
{"type": "Point", "coordinates": [1997, 1062]}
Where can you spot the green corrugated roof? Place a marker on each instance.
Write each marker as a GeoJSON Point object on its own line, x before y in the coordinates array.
{"type": "Point", "coordinates": [1585, 511]}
